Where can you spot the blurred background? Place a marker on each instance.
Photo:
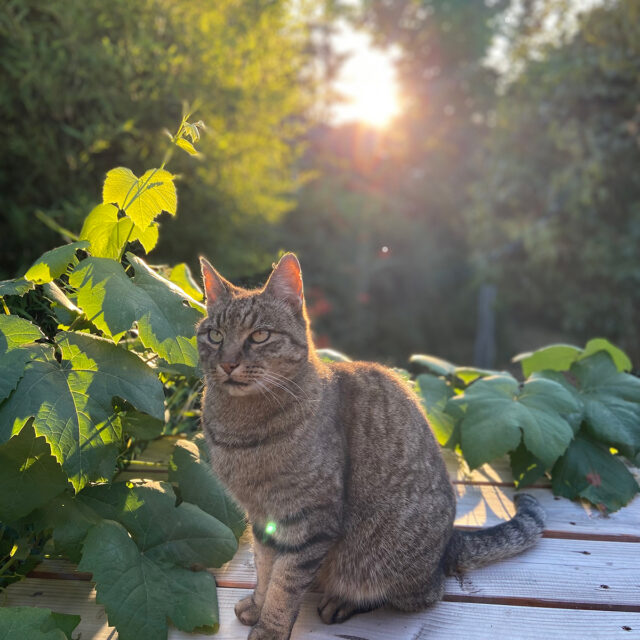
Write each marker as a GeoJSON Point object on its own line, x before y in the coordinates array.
{"type": "Point", "coordinates": [458, 177]}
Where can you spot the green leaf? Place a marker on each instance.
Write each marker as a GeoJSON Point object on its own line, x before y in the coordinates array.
{"type": "Point", "coordinates": [588, 470]}
{"type": "Point", "coordinates": [52, 264]}
{"type": "Point", "coordinates": [611, 401]}
{"type": "Point", "coordinates": [525, 467]}
{"type": "Point", "coordinates": [435, 392]}
{"type": "Point", "coordinates": [199, 485]}
{"type": "Point", "coordinates": [164, 313]}
{"type": "Point", "coordinates": [185, 145]}
{"type": "Point", "coordinates": [331, 355]}
{"type": "Point", "coordinates": [438, 366]}
{"type": "Point", "coordinates": [181, 275]}
{"type": "Point", "coordinates": [141, 198]}
{"type": "Point", "coordinates": [28, 472]}
{"type": "Point", "coordinates": [619, 357]}
{"type": "Point", "coordinates": [141, 426]}
{"type": "Point", "coordinates": [64, 309]}
{"type": "Point", "coordinates": [17, 347]}
{"type": "Point", "coordinates": [72, 407]}
{"type": "Point", "coordinates": [556, 357]}
{"type": "Point", "coordinates": [500, 412]}
{"type": "Point", "coordinates": [184, 535]}
{"type": "Point", "coordinates": [17, 287]}
{"type": "Point", "coordinates": [108, 233]}
{"type": "Point", "coordinates": [469, 374]}
{"type": "Point", "coordinates": [35, 623]}
{"type": "Point", "coordinates": [139, 593]}
{"type": "Point", "coordinates": [562, 378]}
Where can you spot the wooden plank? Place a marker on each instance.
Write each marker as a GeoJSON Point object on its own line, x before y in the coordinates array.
{"type": "Point", "coordinates": [569, 573]}
{"type": "Point", "coordinates": [64, 596]}
{"type": "Point", "coordinates": [593, 574]}
{"type": "Point", "coordinates": [446, 620]}
{"type": "Point", "coordinates": [486, 505]}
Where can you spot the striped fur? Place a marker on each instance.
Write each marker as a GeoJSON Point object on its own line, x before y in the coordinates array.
{"type": "Point", "coordinates": [340, 475]}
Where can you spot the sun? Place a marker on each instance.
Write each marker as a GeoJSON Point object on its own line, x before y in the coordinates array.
{"type": "Point", "coordinates": [367, 81]}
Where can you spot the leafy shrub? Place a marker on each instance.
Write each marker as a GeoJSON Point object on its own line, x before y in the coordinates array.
{"type": "Point", "coordinates": [86, 374]}
{"type": "Point", "coordinates": [575, 417]}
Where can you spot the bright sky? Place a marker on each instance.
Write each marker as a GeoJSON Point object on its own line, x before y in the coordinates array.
{"type": "Point", "coordinates": [367, 80]}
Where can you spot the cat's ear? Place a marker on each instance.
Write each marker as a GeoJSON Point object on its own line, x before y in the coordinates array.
{"type": "Point", "coordinates": [285, 282]}
{"type": "Point", "coordinates": [215, 286]}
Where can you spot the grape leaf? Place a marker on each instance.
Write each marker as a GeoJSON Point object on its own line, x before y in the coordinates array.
{"type": "Point", "coordinates": [588, 470]}
{"type": "Point", "coordinates": [16, 287]}
{"type": "Point", "coordinates": [184, 535]}
{"type": "Point", "coordinates": [27, 470]}
{"type": "Point", "coordinates": [187, 146]}
{"type": "Point", "coordinates": [500, 413]}
{"type": "Point", "coordinates": [525, 467]}
{"type": "Point", "coordinates": [35, 623]}
{"type": "Point", "coordinates": [108, 234]}
{"type": "Point", "coordinates": [139, 593]}
{"type": "Point", "coordinates": [469, 374]}
{"type": "Point", "coordinates": [17, 347]}
{"type": "Point", "coordinates": [164, 313]}
{"type": "Point", "coordinates": [619, 357]}
{"type": "Point", "coordinates": [181, 275]}
{"type": "Point", "coordinates": [438, 366]}
{"type": "Point", "coordinates": [72, 407]}
{"type": "Point", "coordinates": [141, 198]}
{"type": "Point", "coordinates": [331, 355]}
{"type": "Point", "coordinates": [52, 264]}
{"type": "Point", "coordinates": [141, 426]}
{"type": "Point", "coordinates": [199, 485]}
{"type": "Point", "coordinates": [555, 357]}
{"type": "Point", "coordinates": [435, 392]}
{"type": "Point", "coordinates": [611, 401]}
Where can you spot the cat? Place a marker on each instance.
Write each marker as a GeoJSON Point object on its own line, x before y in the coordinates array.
{"type": "Point", "coordinates": [335, 464]}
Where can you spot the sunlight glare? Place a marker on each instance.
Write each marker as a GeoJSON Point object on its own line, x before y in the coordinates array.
{"type": "Point", "coordinates": [367, 81]}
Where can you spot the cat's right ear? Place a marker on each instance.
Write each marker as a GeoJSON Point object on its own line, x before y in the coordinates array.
{"type": "Point", "coordinates": [215, 286]}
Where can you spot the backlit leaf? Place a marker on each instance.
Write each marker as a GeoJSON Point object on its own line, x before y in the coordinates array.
{"type": "Point", "coordinates": [555, 357]}
{"type": "Point", "coordinates": [72, 408]}
{"type": "Point", "coordinates": [17, 287]}
{"type": "Point", "coordinates": [438, 366]}
{"type": "Point", "coordinates": [17, 347]}
{"type": "Point", "coordinates": [141, 198]}
{"type": "Point", "coordinates": [164, 313]}
{"type": "Point", "coordinates": [182, 276]}
{"type": "Point", "coordinates": [52, 264]}
{"type": "Point", "coordinates": [185, 145]}
{"type": "Point", "coordinates": [619, 357]}
{"type": "Point", "coordinates": [435, 392]}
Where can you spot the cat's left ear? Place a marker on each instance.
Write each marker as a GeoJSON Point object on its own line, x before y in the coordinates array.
{"type": "Point", "coordinates": [285, 282]}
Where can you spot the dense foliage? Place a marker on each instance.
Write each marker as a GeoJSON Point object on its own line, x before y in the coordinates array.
{"type": "Point", "coordinates": [85, 85]}
{"type": "Point", "coordinates": [89, 366]}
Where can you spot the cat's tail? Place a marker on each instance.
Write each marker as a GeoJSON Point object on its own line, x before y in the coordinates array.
{"type": "Point", "coordinates": [471, 549]}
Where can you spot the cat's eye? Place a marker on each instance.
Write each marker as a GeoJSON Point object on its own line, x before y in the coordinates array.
{"type": "Point", "coordinates": [215, 336]}
{"type": "Point", "coordinates": [259, 336]}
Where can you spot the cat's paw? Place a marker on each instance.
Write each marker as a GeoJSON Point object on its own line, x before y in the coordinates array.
{"type": "Point", "coordinates": [261, 633]}
{"type": "Point", "coordinates": [247, 611]}
{"type": "Point", "coordinates": [334, 610]}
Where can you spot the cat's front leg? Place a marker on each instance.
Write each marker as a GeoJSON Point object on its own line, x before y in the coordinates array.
{"type": "Point", "coordinates": [291, 576]}
{"type": "Point", "coordinates": [248, 609]}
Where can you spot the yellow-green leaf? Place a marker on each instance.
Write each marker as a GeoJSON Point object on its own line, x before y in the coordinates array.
{"type": "Point", "coordinates": [141, 198]}
{"type": "Point", "coordinates": [187, 146]}
{"type": "Point", "coordinates": [52, 264]}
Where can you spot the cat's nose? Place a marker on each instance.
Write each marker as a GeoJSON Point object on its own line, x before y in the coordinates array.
{"type": "Point", "coordinates": [228, 367]}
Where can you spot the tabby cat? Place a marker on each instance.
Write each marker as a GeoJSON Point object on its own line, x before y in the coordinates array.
{"type": "Point", "coordinates": [335, 464]}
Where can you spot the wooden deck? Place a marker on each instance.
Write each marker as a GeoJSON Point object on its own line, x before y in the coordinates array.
{"type": "Point", "coordinates": [582, 580]}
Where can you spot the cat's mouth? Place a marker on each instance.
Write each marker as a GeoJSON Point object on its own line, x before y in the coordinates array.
{"type": "Point", "coordinates": [235, 383]}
